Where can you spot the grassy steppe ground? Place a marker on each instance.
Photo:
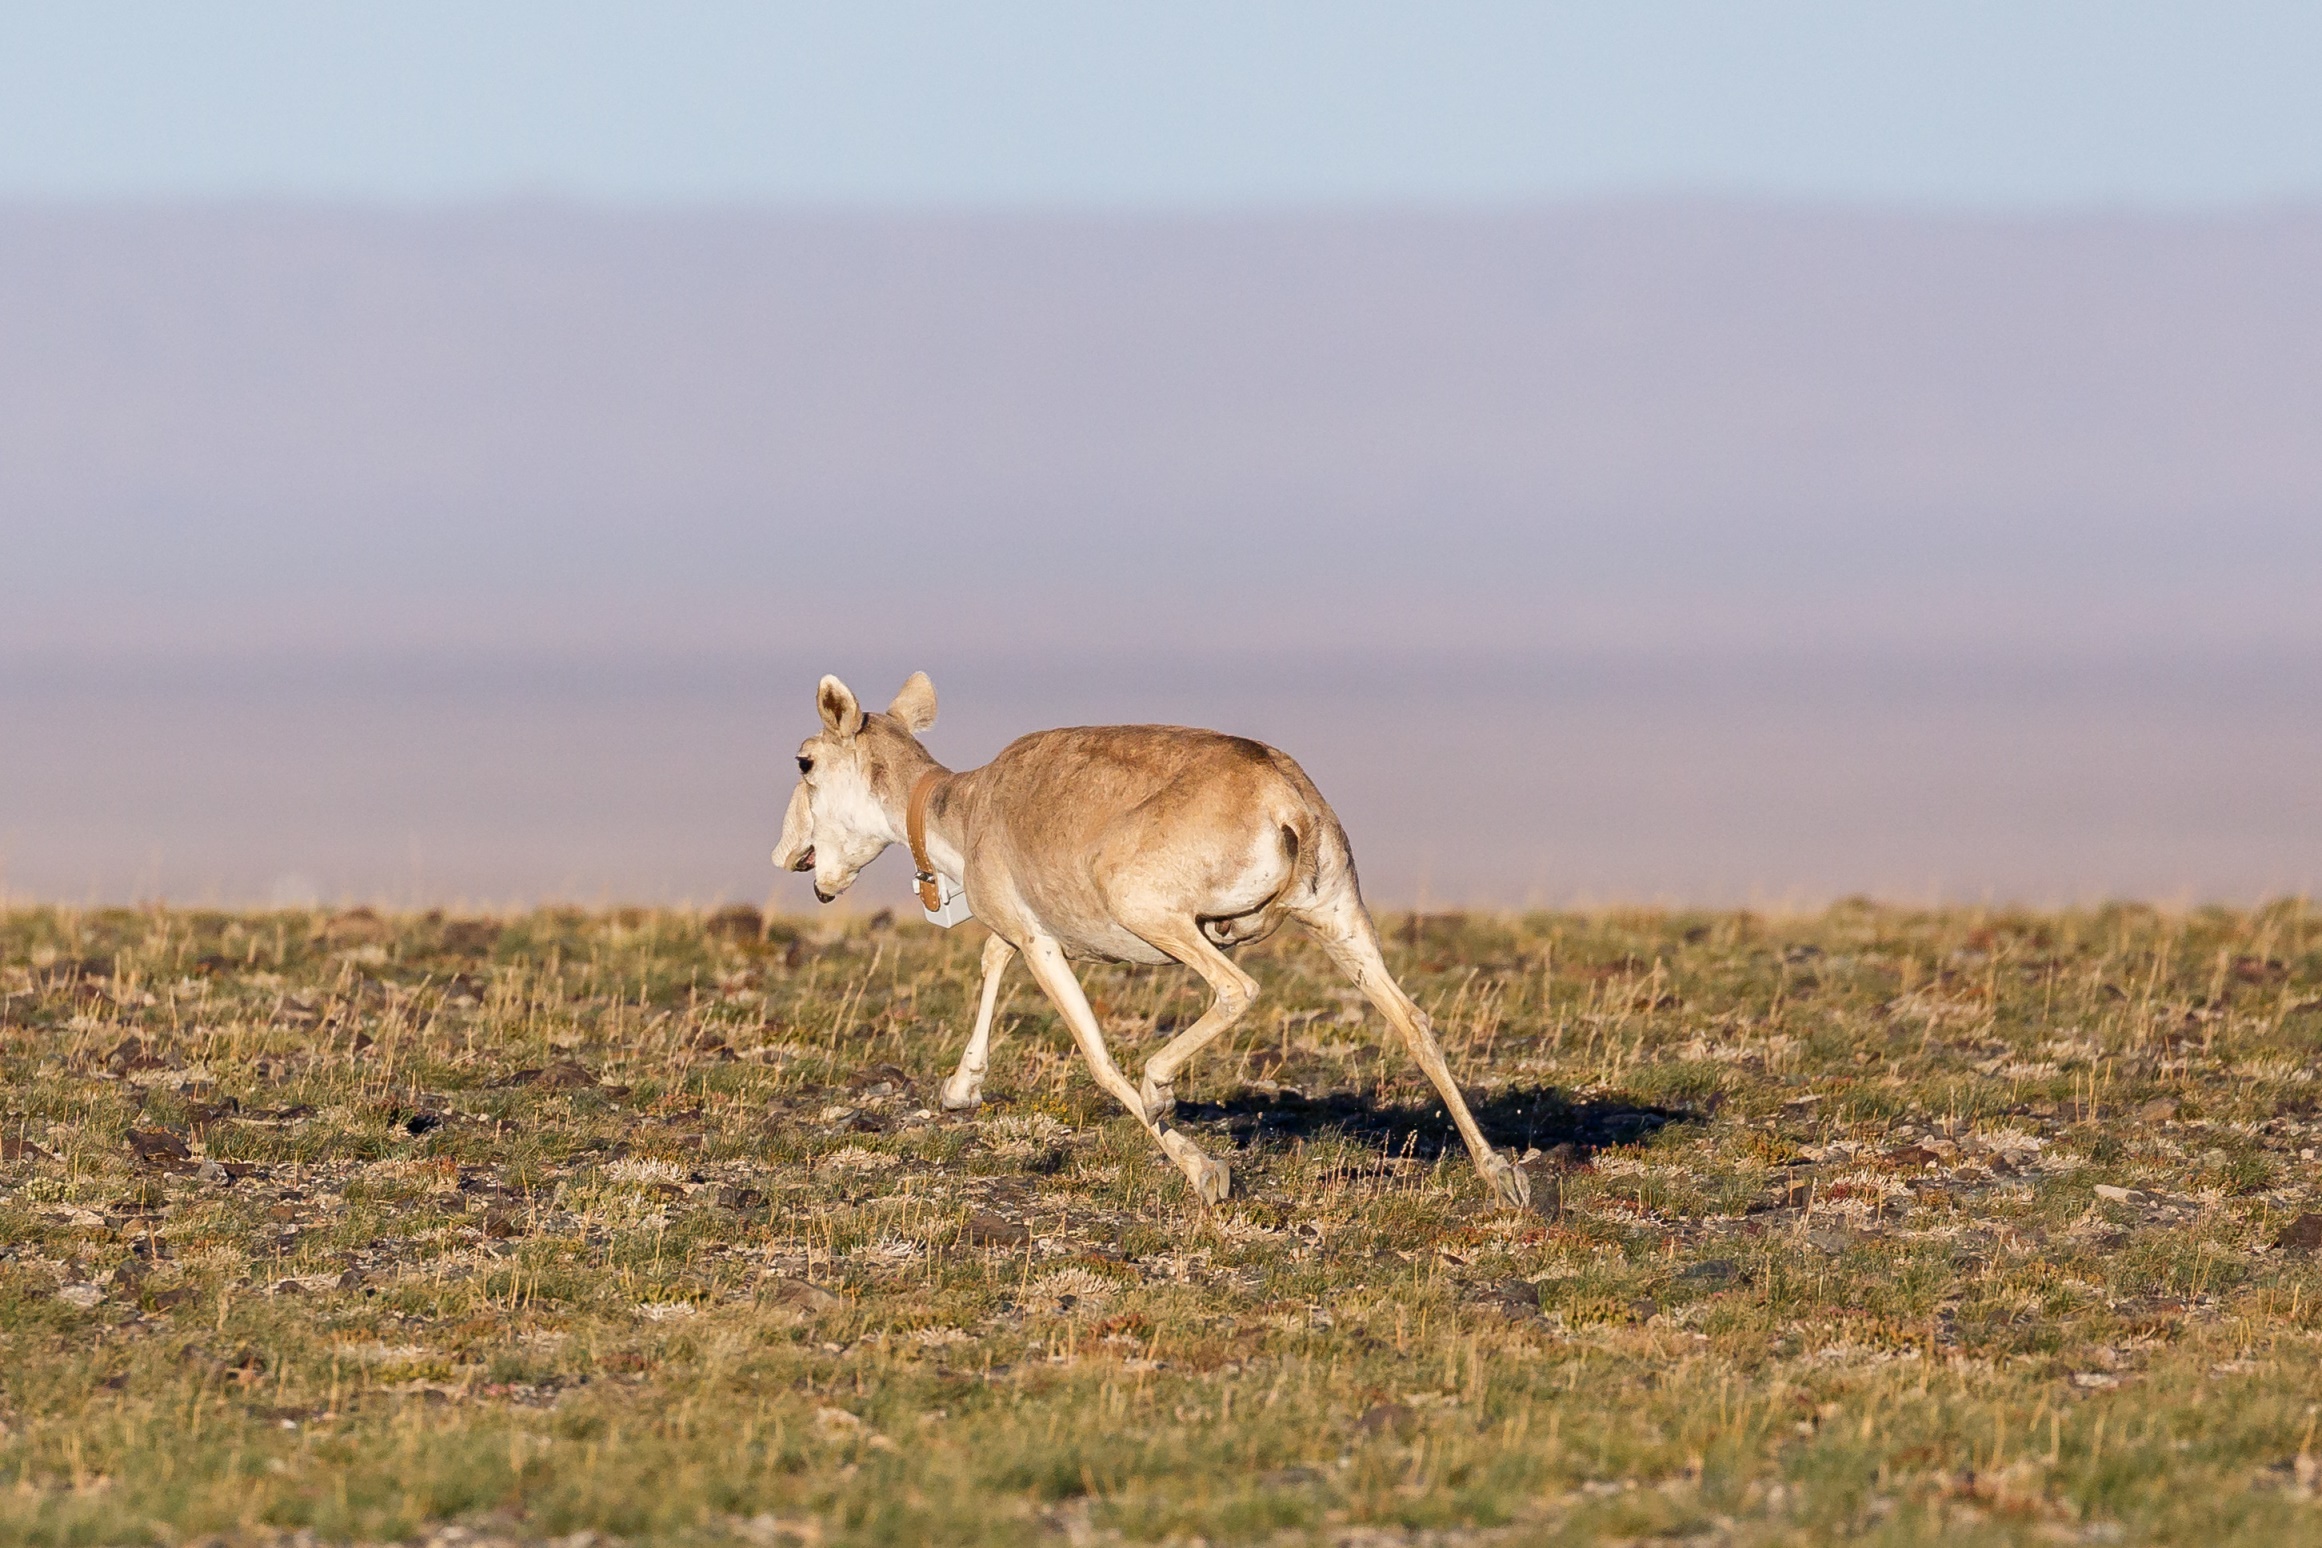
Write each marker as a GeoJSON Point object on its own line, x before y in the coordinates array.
{"type": "Point", "coordinates": [1869, 1225]}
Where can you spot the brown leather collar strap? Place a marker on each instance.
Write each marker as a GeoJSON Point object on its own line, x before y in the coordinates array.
{"type": "Point", "coordinates": [915, 825]}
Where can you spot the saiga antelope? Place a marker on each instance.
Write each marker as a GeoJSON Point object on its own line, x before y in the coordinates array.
{"type": "Point", "coordinates": [1146, 844]}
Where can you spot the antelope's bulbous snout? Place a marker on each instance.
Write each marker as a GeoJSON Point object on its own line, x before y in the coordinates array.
{"type": "Point", "coordinates": [821, 896]}
{"type": "Point", "coordinates": [794, 851]}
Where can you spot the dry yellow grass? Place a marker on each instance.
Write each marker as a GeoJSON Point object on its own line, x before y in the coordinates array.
{"type": "Point", "coordinates": [1873, 1225]}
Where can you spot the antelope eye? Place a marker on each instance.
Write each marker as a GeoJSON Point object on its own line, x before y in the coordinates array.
{"type": "Point", "coordinates": [805, 765]}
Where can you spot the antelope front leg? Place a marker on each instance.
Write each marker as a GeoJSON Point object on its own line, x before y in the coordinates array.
{"type": "Point", "coordinates": [1045, 958]}
{"type": "Point", "coordinates": [966, 1087]}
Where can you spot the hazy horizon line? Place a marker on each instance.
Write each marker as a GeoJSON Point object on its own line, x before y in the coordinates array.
{"type": "Point", "coordinates": [1770, 903]}
{"type": "Point", "coordinates": [1610, 199]}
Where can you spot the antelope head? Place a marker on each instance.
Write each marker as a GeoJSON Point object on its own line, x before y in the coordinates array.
{"type": "Point", "coordinates": [852, 780]}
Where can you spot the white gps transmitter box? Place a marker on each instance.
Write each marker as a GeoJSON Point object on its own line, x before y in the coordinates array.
{"type": "Point", "coordinates": [954, 907]}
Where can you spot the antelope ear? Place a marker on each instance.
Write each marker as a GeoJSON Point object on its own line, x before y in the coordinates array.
{"type": "Point", "coordinates": [841, 715]}
{"type": "Point", "coordinates": [914, 703]}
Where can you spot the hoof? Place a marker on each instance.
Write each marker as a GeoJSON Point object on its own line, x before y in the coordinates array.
{"type": "Point", "coordinates": [958, 1097]}
{"type": "Point", "coordinates": [1507, 1180]}
{"type": "Point", "coordinates": [1212, 1180]}
{"type": "Point", "coordinates": [1160, 1101]}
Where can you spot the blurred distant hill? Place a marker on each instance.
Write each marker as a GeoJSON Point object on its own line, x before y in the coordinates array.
{"type": "Point", "coordinates": [1660, 424]}
{"type": "Point", "coordinates": [1693, 551]}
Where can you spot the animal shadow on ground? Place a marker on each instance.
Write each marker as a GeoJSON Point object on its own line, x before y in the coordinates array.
{"type": "Point", "coordinates": [1516, 1117]}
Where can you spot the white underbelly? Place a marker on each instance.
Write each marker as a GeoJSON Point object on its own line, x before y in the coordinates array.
{"type": "Point", "coordinates": [1111, 943]}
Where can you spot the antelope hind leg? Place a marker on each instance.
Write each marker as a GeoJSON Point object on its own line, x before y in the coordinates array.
{"type": "Point", "coordinates": [965, 1088]}
{"type": "Point", "coordinates": [1344, 928]}
{"type": "Point", "coordinates": [1234, 989]}
{"type": "Point", "coordinates": [1210, 1178]}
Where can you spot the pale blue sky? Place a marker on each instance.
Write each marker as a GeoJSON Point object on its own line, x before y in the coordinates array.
{"type": "Point", "coordinates": [2023, 103]}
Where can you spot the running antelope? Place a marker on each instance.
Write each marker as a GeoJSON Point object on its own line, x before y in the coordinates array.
{"type": "Point", "coordinates": [1147, 844]}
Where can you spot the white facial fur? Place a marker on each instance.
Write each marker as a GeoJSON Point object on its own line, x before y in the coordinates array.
{"type": "Point", "coordinates": [834, 824]}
